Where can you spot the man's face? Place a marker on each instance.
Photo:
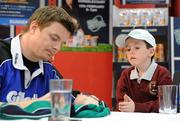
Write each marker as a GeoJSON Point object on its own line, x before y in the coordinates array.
{"type": "Point", "coordinates": [47, 42]}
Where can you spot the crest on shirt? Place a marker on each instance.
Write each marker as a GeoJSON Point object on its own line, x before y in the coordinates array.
{"type": "Point", "coordinates": [153, 87]}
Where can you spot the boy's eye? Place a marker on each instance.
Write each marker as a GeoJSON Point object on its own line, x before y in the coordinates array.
{"type": "Point", "coordinates": [137, 48]}
{"type": "Point", "coordinates": [128, 49]}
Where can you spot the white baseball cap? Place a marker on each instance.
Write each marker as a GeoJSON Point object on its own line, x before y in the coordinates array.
{"type": "Point", "coordinates": [139, 34]}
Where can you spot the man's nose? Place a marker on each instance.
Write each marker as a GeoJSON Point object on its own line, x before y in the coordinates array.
{"type": "Point", "coordinates": [56, 48]}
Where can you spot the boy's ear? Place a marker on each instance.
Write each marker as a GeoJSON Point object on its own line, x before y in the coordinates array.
{"type": "Point", "coordinates": [152, 51]}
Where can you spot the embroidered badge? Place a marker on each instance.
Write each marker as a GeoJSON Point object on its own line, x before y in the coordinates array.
{"type": "Point", "coordinates": [153, 87]}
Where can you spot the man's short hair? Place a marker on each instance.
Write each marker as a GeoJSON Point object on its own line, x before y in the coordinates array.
{"type": "Point", "coordinates": [46, 15]}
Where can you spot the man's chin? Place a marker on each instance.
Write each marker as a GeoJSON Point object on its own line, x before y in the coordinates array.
{"type": "Point", "coordinates": [46, 59]}
{"type": "Point", "coordinates": [50, 59]}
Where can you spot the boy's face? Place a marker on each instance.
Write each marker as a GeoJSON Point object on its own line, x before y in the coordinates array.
{"type": "Point", "coordinates": [46, 43]}
{"type": "Point", "coordinates": [137, 52]}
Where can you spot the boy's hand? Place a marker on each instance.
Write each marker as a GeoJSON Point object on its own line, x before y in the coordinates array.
{"type": "Point", "coordinates": [128, 104]}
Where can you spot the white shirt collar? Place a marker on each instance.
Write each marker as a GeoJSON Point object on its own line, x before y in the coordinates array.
{"type": "Point", "coordinates": [19, 64]}
{"type": "Point", "coordinates": [147, 75]}
{"type": "Point", "coordinates": [17, 54]}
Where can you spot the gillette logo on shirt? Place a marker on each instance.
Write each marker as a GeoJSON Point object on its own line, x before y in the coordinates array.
{"type": "Point", "coordinates": [14, 96]}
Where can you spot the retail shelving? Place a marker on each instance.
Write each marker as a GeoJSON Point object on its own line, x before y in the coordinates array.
{"type": "Point", "coordinates": [160, 32]}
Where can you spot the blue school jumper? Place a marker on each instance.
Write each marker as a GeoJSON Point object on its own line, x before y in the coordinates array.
{"type": "Point", "coordinates": [16, 81]}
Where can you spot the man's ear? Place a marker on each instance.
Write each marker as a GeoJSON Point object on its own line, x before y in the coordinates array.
{"type": "Point", "coordinates": [33, 26]}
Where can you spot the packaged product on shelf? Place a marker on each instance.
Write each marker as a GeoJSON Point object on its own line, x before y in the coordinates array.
{"type": "Point", "coordinates": [90, 41]}
{"type": "Point", "coordinates": [70, 42]}
{"type": "Point", "coordinates": [159, 17]}
{"type": "Point", "coordinates": [93, 41]}
{"type": "Point", "coordinates": [116, 18]}
{"type": "Point", "coordinates": [79, 37]}
{"type": "Point", "coordinates": [86, 41]}
{"type": "Point", "coordinates": [161, 52]}
{"type": "Point", "coordinates": [143, 17]}
{"type": "Point", "coordinates": [135, 17]}
{"type": "Point", "coordinates": [120, 55]}
{"type": "Point", "coordinates": [124, 55]}
{"type": "Point", "coordinates": [146, 17]}
{"type": "Point", "coordinates": [156, 54]}
{"type": "Point", "coordinates": [76, 40]}
{"type": "Point", "coordinates": [123, 17]}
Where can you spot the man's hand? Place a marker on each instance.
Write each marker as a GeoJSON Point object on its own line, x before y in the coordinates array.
{"type": "Point", "coordinates": [128, 104]}
{"type": "Point", "coordinates": [46, 97]}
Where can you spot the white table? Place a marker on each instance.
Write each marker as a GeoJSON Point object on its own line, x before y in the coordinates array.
{"type": "Point", "coordinates": [122, 116]}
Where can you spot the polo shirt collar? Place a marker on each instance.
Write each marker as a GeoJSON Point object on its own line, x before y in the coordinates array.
{"type": "Point", "coordinates": [18, 63]}
{"type": "Point", "coordinates": [147, 75]}
{"type": "Point", "coordinates": [16, 54]}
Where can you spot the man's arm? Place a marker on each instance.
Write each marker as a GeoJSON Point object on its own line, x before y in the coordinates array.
{"type": "Point", "coordinates": [24, 104]}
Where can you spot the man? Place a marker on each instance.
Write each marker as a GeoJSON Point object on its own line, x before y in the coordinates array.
{"type": "Point", "coordinates": [25, 69]}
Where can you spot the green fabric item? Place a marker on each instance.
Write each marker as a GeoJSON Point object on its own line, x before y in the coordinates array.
{"type": "Point", "coordinates": [41, 109]}
{"type": "Point", "coordinates": [91, 110]}
{"type": "Point", "coordinates": [36, 110]}
{"type": "Point", "coordinates": [38, 105]}
{"type": "Point", "coordinates": [17, 117]}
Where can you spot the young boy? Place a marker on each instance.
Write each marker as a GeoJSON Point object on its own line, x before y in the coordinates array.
{"type": "Point", "coordinates": [137, 86]}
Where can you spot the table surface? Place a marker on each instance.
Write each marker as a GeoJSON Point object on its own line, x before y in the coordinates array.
{"type": "Point", "coordinates": [122, 116]}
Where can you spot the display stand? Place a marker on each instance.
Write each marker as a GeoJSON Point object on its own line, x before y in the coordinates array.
{"type": "Point", "coordinates": [91, 72]}
{"type": "Point", "coordinates": [140, 15]}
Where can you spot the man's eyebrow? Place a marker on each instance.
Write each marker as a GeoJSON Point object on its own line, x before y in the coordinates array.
{"type": "Point", "coordinates": [55, 35]}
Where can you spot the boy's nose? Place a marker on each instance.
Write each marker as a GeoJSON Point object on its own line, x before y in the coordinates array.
{"type": "Point", "coordinates": [131, 51]}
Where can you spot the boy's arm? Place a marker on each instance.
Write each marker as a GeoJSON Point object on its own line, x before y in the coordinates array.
{"type": "Point", "coordinates": [150, 106]}
{"type": "Point", "coordinates": [121, 89]}
{"type": "Point", "coordinates": [153, 106]}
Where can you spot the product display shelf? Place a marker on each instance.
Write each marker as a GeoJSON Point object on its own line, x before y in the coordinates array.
{"type": "Point", "coordinates": [162, 36]}
{"type": "Point", "coordinates": [90, 70]}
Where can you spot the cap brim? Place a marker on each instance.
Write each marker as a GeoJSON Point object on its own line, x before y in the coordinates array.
{"type": "Point", "coordinates": [120, 40]}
